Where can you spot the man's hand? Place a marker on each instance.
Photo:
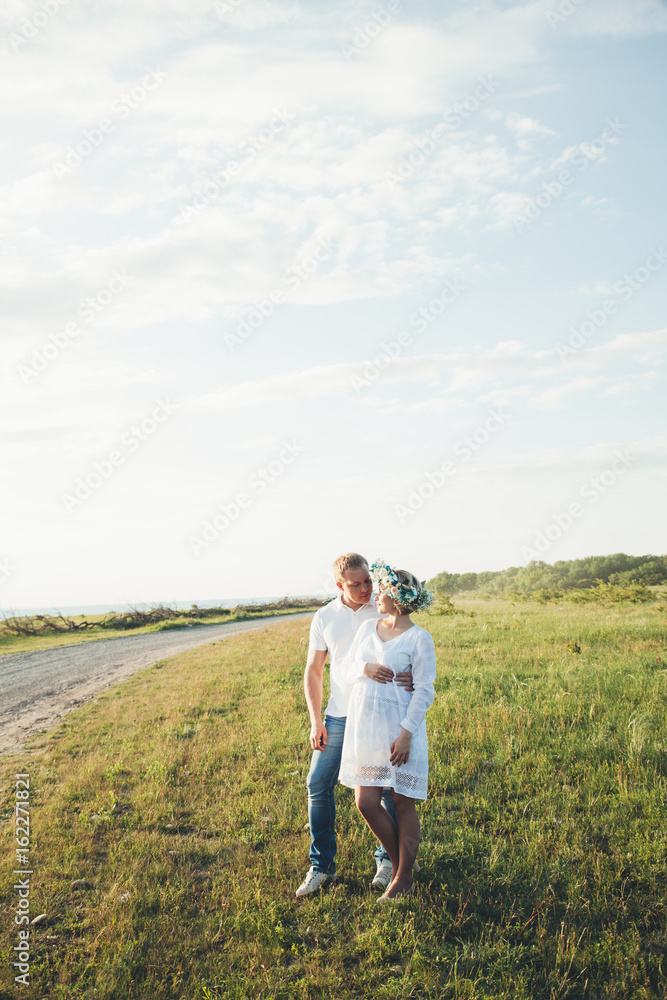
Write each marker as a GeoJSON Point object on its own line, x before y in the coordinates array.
{"type": "Point", "coordinates": [312, 686]}
{"type": "Point", "coordinates": [378, 672]}
{"type": "Point", "coordinates": [318, 736]}
{"type": "Point", "coordinates": [400, 748]}
{"type": "Point", "coordinates": [404, 680]}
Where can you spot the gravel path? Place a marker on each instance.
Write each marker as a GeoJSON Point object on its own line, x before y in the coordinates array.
{"type": "Point", "coordinates": [37, 689]}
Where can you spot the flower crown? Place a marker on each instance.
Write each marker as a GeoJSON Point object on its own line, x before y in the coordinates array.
{"type": "Point", "coordinates": [383, 575]}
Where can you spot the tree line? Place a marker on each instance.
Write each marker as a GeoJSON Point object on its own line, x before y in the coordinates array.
{"type": "Point", "coordinates": [619, 570]}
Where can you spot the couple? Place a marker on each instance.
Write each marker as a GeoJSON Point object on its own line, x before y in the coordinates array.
{"type": "Point", "coordinates": [373, 738]}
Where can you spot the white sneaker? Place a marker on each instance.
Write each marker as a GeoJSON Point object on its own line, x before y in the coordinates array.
{"type": "Point", "coordinates": [314, 881]}
{"type": "Point", "coordinates": [384, 872]}
{"type": "Point", "coordinates": [383, 875]}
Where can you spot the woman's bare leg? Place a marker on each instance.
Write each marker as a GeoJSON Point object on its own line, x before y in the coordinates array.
{"type": "Point", "coordinates": [408, 844]}
{"type": "Point", "coordinates": [369, 803]}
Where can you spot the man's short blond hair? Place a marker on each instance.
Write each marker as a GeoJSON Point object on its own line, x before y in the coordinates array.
{"type": "Point", "coordinates": [351, 560]}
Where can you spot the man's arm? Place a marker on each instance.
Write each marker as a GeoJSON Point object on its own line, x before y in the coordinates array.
{"type": "Point", "coordinates": [312, 686]}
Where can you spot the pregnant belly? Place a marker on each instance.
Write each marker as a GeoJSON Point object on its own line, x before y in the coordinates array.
{"type": "Point", "coordinates": [375, 697]}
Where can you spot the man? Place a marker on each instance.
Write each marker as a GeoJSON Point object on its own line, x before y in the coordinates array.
{"type": "Point", "coordinates": [332, 632]}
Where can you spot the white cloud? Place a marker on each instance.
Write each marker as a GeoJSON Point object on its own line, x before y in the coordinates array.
{"type": "Point", "coordinates": [254, 15]}
{"type": "Point", "coordinates": [349, 121]}
{"type": "Point", "coordinates": [324, 173]}
{"type": "Point", "coordinates": [619, 18]}
{"type": "Point", "coordinates": [634, 383]}
{"type": "Point", "coordinates": [558, 396]}
{"type": "Point", "coordinates": [641, 347]}
{"type": "Point", "coordinates": [448, 375]}
{"type": "Point", "coordinates": [526, 130]}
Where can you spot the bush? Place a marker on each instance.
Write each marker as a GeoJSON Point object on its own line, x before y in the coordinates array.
{"type": "Point", "coordinates": [443, 606]}
{"type": "Point", "coordinates": [608, 593]}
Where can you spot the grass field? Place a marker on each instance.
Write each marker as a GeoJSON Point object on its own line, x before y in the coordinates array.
{"type": "Point", "coordinates": [178, 798]}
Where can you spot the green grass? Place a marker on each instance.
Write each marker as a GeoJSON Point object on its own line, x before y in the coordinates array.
{"type": "Point", "coordinates": [179, 797]}
{"type": "Point", "coordinates": [26, 644]}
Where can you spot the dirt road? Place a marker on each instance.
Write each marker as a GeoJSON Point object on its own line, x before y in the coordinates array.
{"type": "Point", "coordinates": [37, 689]}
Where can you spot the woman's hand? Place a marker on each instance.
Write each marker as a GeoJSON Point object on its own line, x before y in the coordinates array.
{"type": "Point", "coordinates": [378, 672]}
{"type": "Point", "coordinates": [400, 748]}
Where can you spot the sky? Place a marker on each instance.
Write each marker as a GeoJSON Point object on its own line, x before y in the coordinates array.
{"type": "Point", "coordinates": [286, 280]}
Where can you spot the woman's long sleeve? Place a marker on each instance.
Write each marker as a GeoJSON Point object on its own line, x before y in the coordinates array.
{"type": "Point", "coordinates": [353, 664]}
{"type": "Point", "coordinates": [423, 676]}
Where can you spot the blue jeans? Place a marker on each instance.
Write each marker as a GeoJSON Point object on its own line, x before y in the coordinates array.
{"type": "Point", "coordinates": [322, 779]}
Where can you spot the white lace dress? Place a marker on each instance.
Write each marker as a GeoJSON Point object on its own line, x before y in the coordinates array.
{"type": "Point", "coordinates": [378, 712]}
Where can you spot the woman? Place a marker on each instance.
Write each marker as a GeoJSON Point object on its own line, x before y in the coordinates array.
{"type": "Point", "coordinates": [385, 736]}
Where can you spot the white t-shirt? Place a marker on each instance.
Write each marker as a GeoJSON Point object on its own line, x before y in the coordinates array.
{"type": "Point", "coordinates": [333, 628]}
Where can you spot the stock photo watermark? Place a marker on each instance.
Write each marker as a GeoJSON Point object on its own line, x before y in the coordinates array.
{"type": "Point", "coordinates": [327, 587]}
{"type": "Point", "coordinates": [257, 484]}
{"type": "Point", "coordinates": [464, 450]}
{"type": "Point", "coordinates": [456, 114]}
{"type": "Point", "coordinates": [420, 319]}
{"type": "Point", "coordinates": [21, 950]}
{"type": "Point", "coordinates": [564, 10]}
{"type": "Point", "coordinates": [579, 160]}
{"type": "Point", "coordinates": [31, 27]}
{"type": "Point", "coordinates": [222, 9]}
{"type": "Point", "coordinates": [368, 30]}
{"type": "Point", "coordinates": [88, 309]}
{"type": "Point", "coordinates": [592, 490]}
{"type": "Point", "coordinates": [95, 136]}
{"type": "Point", "coordinates": [625, 289]}
{"type": "Point", "coordinates": [247, 150]}
{"type": "Point", "coordinates": [131, 440]}
{"type": "Point", "coordinates": [263, 309]}
{"type": "Point", "coordinates": [7, 569]}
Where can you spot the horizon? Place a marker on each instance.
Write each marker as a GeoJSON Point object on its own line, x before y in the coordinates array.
{"type": "Point", "coordinates": [87, 608]}
{"type": "Point", "coordinates": [401, 293]}
{"type": "Point", "coordinates": [120, 606]}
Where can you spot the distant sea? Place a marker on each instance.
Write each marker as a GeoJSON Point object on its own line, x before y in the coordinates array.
{"type": "Point", "coordinates": [103, 609]}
